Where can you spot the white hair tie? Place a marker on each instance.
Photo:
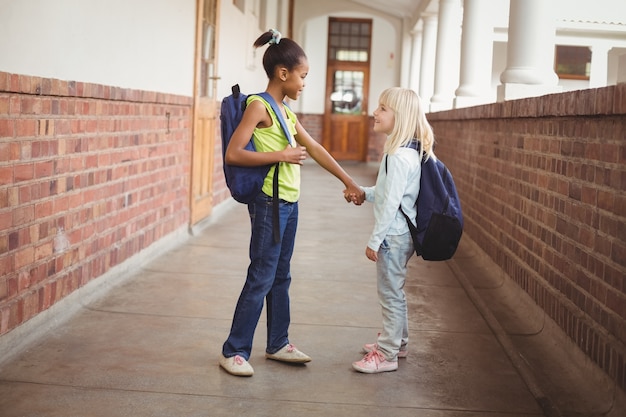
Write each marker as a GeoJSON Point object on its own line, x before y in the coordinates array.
{"type": "Point", "coordinates": [276, 36]}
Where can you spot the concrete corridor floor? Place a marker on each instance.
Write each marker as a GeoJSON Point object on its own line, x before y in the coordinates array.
{"type": "Point", "coordinates": [149, 345]}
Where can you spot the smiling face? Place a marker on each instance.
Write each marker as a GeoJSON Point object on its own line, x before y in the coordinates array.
{"type": "Point", "coordinates": [384, 119]}
{"type": "Point", "coordinates": [294, 79]}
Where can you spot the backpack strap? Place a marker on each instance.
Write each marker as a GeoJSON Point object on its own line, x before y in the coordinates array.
{"type": "Point", "coordinates": [412, 229]}
{"type": "Point", "coordinates": [279, 115]}
{"type": "Point", "coordinates": [275, 200]}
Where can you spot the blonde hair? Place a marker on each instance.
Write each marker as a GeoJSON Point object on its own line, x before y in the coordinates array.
{"type": "Point", "coordinates": [410, 121]}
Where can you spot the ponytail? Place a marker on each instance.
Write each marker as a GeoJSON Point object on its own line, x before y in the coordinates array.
{"type": "Point", "coordinates": [280, 52]}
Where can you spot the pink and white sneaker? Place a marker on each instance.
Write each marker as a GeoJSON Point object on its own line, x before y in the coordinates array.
{"type": "Point", "coordinates": [374, 362]}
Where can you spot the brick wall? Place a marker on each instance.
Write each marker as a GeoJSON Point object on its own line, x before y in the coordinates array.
{"type": "Point", "coordinates": [542, 182]}
{"type": "Point", "coordinates": [89, 176]}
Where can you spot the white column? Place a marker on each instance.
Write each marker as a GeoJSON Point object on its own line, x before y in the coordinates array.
{"type": "Point", "coordinates": [405, 59]}
{"type": "Point", "coordinates": [621, 69]}
{"type": "Point", "coordinates": [598, 74]}
{"type": "Point", "coordinates": [476, 54]}
{"type": "Point", "coordinates": [416, 54]}
{"type": "Point", "coordinates": [427, 64]}
{"type": "Point", "coordinates": [448, 55]}
{"type": "Point", "coordinates": [530, 51]}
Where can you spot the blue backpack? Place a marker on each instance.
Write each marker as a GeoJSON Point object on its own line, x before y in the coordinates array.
{"type": "Point", "coordinates": [439, 218]}
{"type": "Point", "coordinates": [245, 182]}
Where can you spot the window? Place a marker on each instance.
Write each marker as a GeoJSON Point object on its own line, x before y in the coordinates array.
{"type": "Point", "coordinates": [572, 62]}
{"type": "Point", "coordinates": [349, 39]}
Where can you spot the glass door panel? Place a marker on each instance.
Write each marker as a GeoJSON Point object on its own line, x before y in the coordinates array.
{"type": "Point", "coordinates": [347, 94]}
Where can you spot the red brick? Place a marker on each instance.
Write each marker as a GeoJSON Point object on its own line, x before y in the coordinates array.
{"type": "Point", "coordinates": [4, 198]}
{"type": "Point", "coordinates": [21, 83]}
{"type": "Point", "coordinates": [25, 127]}
{"type": "Point", "coordinates": [46, 106]}
{"type": "Point", "coordinates": [14, 83]}
{"type": "Point", "coordinates": [23, 280]}
{"type": "Point", "coordinates": [4, 246]}
{"type": "Point", "coordinates": [23, 215]}
{"type": "Point", "coordinates": [5, 151]}
{"type": "Point", "coordinates": [61, 204]}
{"type": "Point", "coordinates": [7, 128]}
{"type": "Point", "coordinates": [6, 175]}
{"type": "Point", "coordinates": [44, 169]}
{"type": "Point", "coordinates": [4, 105]}
{"type": "Point", "coordinates": [4, 81]}
{"type": "Point", "coordinates": [43, 251]}
{"type": "Point", "coordinates": [6, 220]}
{"type": "Point", "coordinates": [23, 172]}
{"type": "Point", "coordinates": [46, 86]}
{"type": "Point", "coordinates": [24, 257]}
{"type": "Point", "coordinates": [4, 286]}
{"type": "Point", "coordinates": [25, 195]}
{"type": "Point", "coordinates": [606, 200]}
{"type": "Point", "coordinates": [43, 209]}
{"type": "Point", "coordinates": [618, 252]}
{"type": "Point", "coordinates": [31, 305]}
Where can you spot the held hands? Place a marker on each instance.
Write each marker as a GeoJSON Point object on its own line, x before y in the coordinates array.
{"type": "Point", "coordinates": [354, 194]}
{"type": "Point", "coordinates": [294, 155]}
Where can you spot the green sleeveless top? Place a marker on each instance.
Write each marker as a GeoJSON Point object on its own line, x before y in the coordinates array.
{"type": "Point", "coordinates": [271, 139]}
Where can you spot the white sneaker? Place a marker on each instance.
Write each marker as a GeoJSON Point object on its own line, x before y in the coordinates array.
{"type": "Point", "coordinates": [289, 353]}
{"type": "Point", "coordinates": [236, 365]}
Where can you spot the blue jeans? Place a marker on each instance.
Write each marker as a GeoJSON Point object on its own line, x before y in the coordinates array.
{"type": "Point", "coordinates": [268, 279]}
{"type": "Point", "coordinates": [393, 256]}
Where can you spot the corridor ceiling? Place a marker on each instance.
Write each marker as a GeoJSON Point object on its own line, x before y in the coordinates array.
{"type": "Point", "coordinates": [399, 8]}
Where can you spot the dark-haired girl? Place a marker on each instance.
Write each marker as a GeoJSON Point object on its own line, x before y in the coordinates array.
{"type": "Point", "coordinates": [269, 276]}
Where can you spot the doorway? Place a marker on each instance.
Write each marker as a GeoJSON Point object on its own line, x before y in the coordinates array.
{"type": "Point", "coordinates": [346, 120]}
{"type": "Point", "coordinates": [204, 110]}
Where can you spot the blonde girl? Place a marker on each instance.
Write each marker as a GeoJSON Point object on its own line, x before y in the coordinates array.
{"type": "Point", "coordinates": [409, 139]}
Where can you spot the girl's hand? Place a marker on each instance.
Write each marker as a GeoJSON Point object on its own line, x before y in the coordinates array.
{"type": "Point", "coordinates": [294, 155]}
{"type": "Point", "coordinates": [371, 255]}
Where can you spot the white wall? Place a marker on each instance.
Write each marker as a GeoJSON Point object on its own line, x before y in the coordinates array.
{"type": "Point", "coordinates": [313, 39]}
{"type": "Point", "coordinates": [614, 64]}
{"type": "Point", "coordinates": [592, 10]}
{"type": "Point", "coordinates": [238, 62]}
{"type": "Point", "coordinates": [139, 44]}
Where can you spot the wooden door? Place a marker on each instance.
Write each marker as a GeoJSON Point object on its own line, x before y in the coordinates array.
{"type": "Point", "coordinates": [205, 111]}
{"type": "Point", "coordinates": [346, 119]}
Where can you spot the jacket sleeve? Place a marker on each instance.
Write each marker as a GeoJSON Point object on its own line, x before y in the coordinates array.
{"type": "Point", "coordinates": [369, 193]}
